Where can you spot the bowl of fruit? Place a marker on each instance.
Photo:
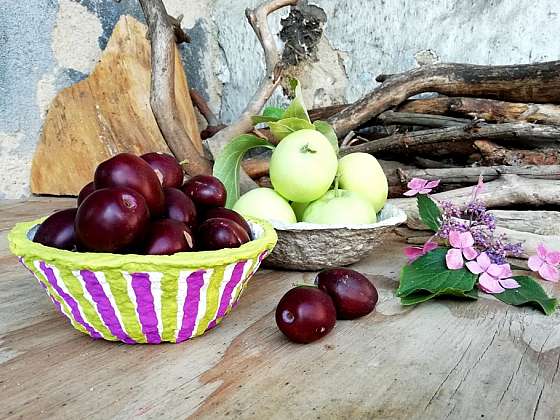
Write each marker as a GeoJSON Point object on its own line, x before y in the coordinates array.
{"type": "Point", "coordinates": [331, 220]}
{"type": "Point", "coordinates": [144, 258]}
{"type": "Point", "coordinates": [327, 211]}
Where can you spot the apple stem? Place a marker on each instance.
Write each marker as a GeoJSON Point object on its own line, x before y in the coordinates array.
{"type": "Point", "coordinates": [306, 149]}
{"type": "Point", "coordinates": [336, 189]}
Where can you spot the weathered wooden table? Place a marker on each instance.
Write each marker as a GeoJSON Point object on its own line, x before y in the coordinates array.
{"type": "Point", "coordinates": [444, 359]}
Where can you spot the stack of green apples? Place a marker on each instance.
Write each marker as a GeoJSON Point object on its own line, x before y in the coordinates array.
{"type": "Point", "coordinates": [312, 185]}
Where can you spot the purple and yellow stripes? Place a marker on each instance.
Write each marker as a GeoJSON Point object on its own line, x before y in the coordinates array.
{"type": "Point", "coordinates": [192, 284]}
{"type": "Point", "coordinates": [237, 275]}
{"type": "Point", "coordinates": [145, 306]}
{"type": "Point", "coordinates": [104, 306]}
{"type": "Point", "coordinates": [68, 299]}
{"type": "Point", "coordinates": [150, 307]}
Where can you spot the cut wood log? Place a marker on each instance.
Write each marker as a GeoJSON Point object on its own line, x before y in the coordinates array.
{"type": "Point", "coordinates": [539, 83]}
{"type": "Point", "coordinates": [106, 113]}
{"type": "Point", "coordinates": [165, 63]}
{"type": "Point", "coordinates": [493, 154]}
{"type": "Point", "coordinates": [487, 109]}
{"type": "Point", "coordinates": [510, 132]}
{"type": "Point", "coordinates": [471, 175]}
{"type": "Point", "coordinates": [507, 191]}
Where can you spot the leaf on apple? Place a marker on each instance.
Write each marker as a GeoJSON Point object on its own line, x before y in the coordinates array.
{"type": "Point", "coordinates": [269, 114]}
{"type": "Point", "coordinates": [429, 277]}
{"type": "Point", "coordinates": [429, 212]}
{"type": "Point", "coordinates": [530, 293]}
{"type": "Point", "coordinates": [326, 130]}
{"type": "Point", "coordinates": [297, 108]}
{"type": "Point", "coordinates": [286, 126]}
{"type": "Point", "coordinates": [228, 163]}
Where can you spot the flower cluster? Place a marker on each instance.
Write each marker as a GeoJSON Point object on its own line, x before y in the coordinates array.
{"type": "Point", "coordinates": [474, 243]}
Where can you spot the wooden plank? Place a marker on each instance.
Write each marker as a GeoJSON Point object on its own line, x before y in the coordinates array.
{"type": "Point", "coordinates": [441, 359]}
{"type": "Point", "coordinates": [107, 113]}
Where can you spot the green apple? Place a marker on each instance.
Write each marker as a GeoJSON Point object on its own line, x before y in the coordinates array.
{"type": "Point", "coordinates": [362, 173]}
{"type": "Point", "coordinates": [340, 207]}
{"type": "Point", "coordinates": [298, 209]}
{"type": "Point", "coordinates": [267, 204]}
{"type": "Point", "coordinates": [303, 166]}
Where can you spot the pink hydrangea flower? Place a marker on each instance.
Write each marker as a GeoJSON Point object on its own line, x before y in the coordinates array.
{"type": "Point", "coordinates": [415, 252]}
{"type": "Point", "coordinates": [462, 243]}
{"type": "Point", "coordinates": [546, 263]}
{"type": "Point", "coordinates": [420, 186]}
{"type": "Point", "coordinates": [494, 278]}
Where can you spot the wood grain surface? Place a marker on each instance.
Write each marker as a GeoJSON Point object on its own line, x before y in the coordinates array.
{"type": "Point", "coordinates": [444, 359]}
{"type": "Point", "coordinates": [107, 113]}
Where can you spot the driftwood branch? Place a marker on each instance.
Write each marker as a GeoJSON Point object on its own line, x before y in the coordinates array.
{"type": "Point", "coordinates": [507, 131]}
{"type": "Point", "coordinates": [540, 222]}
{"type": "Point", "coordinates": [487, 109]}
{"type": "Point", "coordinates": [258, 20]}
{"type": "Point", "coordinates": [202, 106]}
{"type": "Point", "coordinates": [470, 175]}
{"type": "Point", "coordinates": [508, 190]}
{"type": "Point", "coordinates": [180, 35]}
{"type": "Point", "coordinates": [493, 154]}
{"type": "Point", "coordinates": [162, 90]}
{"type": "Point", "coordinates": [526, 83]}
{"type": "Point", "coordinates": [425, 120]}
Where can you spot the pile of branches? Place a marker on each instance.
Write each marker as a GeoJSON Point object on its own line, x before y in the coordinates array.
{"type": "Point", "coordinates": [452, 122]}
{"type": "Point", "coordinates": [501, 122]}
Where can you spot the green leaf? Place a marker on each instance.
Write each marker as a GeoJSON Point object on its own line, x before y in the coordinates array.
{"type": "Point", "coordinates": [270, 114]}
{"type": "Point", "coordinates": [429, 212]}
{"type": "Point", "coordinates": [282, 128]}
{"type": "Point", "coordinates": [257, 119]}
{"type": "Point", "coordinates": [530, 293]}
{"type": "Point", "coordinates": [326, 130]}
{"type": "Point", "coordinates": [227, 165]}
{"type": "Point", "coordinates": [297, 107]}
{"type": "Point", "coordinates": [273, 111]}
{"type": "Point", "coordinates": [429, 277]}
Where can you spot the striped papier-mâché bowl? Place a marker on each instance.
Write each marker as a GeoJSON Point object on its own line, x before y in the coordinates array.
{"type": "Point", "coordinates": [143, 298]}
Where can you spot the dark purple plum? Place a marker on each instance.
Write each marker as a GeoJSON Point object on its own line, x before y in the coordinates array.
{"type": "Point", "coordinates": [180, 207]}
{"type": "Point", "coordinates": [305, 314]}
{"type": "Point", "coordinates": [166, 167]}
{"type": "Point", "coordinates": [166, 237]}
{"type": "Point", "coordinates": [206, 191]}
{"type": "Point", "coordinates": [57, 230]}
{"type": "Point", "coordinates": [111, 220]}
{"type": "Point", "coordinates": [352, 293]}
{"type": "Point", "coordinates": [128, 170]}
{"type": "Point", "coordinates": [85, 191]}
{"type": "Point", "coordinates": [222, 212]}
{"type": "Point", "coordinates": [218, 233]}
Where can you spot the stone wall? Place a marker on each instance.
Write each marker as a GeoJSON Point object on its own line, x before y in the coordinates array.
{"type": "Point", "coordinates": [46, 45]}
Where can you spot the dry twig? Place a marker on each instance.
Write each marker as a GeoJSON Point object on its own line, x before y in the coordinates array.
{"type": "Point", "coordinates": [162, 90]}
{"type": "Point", "coordinates": [507, 131]}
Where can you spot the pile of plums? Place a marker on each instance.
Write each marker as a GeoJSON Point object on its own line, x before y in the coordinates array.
{"type": "Point", "coordinates": [308, 313]}
{"type": "Point", "coordinates": [139, 205]}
